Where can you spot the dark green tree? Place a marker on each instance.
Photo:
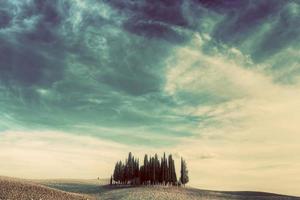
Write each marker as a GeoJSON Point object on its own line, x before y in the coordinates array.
{"type": "Point", "coordinates": [126, 172]}
{"type": "Point", "coordinates": [130, 167]}
{"type": "Point", "coordinates": [119, 172]}
{"type": "Point", "coordinates": [157, 169]}
{"type": "Point", "coordinates": [152, 171]}
{"type": "Point", "coordinates": [184, 178]}
{"type": "Point", "coordinates": [172, 172]}
{"type": "Point", "coordinates": [115, 174]}
{"type": "Point", "coordinates": [146, 170]}
{"type": "Point", "coordinates": [164, 170]}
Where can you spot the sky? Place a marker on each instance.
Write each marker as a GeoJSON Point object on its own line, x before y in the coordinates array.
{"type": "Point", "coordinates": [217, 82]}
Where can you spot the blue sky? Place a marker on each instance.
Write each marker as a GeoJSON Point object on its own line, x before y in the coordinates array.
{"type": "Point", "coordinates": [84, 82]}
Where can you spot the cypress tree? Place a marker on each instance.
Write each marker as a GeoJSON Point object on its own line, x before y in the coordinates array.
{"type": "Point", "coordinates": [166, 169]}
{"type": "Point", "coordinates": [152, 171]}
{"type": "Point", "coordinates": [126, 172]}
{"type": "Point", "coordinates": [146, 169]}
{"type": "Point", "coordinates": [142, 174]}
{"type": "Point", "coordinates": [172, 171]}
{"type": "Point", "coordinates": [121, 172]}
{"type": "Point", "coordinates": [157, 169]}
{"type": "Point", "coordinates": [115, 175]}
{"type": "Point", "coordinates": [174, 176]}
{"type": "Point", "coordinates": [137, 169]}
{"type": "Point", "coordinates": [184, 178]}
{"type": "Point", "coordinates": [162, 169]}
{"type": "Point", "coordinates": [130, 161]}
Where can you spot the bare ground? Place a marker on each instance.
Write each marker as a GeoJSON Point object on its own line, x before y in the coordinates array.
{"type": "Point", "coordinates": [17, 189]}
{"type": "Point", "coordinates": [100, 191]}
{"type": "Point", "coordinates": [97, 190]}
{"type": "Point", "coordinates": [173, 193]}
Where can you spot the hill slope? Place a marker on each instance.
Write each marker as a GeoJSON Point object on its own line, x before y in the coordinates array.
{"type": "Point", "coordinates": [104, 192]}
{"type": "Point", "coordinates": [17, 189]}
{"type": "Point", "coordinates": [172, 193]}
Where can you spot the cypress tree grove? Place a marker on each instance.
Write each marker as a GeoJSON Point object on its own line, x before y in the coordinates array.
{"type": "Point", "coordinates": [153, 171]}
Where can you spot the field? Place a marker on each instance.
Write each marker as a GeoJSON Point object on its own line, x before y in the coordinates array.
{"type": "Point", "coordinates": [18, 189]}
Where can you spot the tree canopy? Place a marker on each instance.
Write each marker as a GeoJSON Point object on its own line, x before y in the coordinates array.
{"type": "Point", "coordinates": [153, 171]}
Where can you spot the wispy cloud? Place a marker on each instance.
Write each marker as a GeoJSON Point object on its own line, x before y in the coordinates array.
{"type": "Point", "coordinates": [254, 129]}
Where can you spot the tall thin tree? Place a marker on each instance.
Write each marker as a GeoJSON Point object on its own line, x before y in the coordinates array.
{"type": "Point", "coordinates": [184, 178]}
